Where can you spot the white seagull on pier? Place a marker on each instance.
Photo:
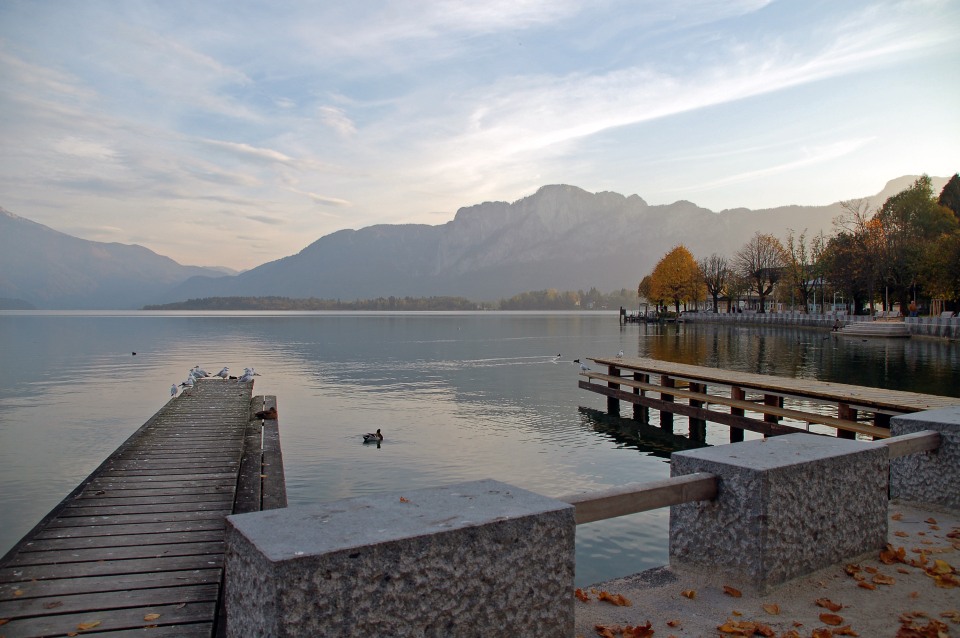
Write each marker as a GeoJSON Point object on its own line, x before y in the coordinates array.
{"type": "Point", "coordinates": [173, 390]}
{"type": "Point", "coordinates": [188, 383]}
{"type": "Point", "coordinates": [247, 376]}
{"type": "Point", "coordinates": [223, 374]}
{"type": "Point", "coordinates": [620, 355]}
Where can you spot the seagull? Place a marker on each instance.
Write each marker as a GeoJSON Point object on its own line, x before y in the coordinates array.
{"type": "Point", "coordinates": [198, 372]}
{"type": "Point", "coordinates": [223, 374]}
{"type": "Point", "coordinates": [373, 437]}
{"type": "Point", "coordinates": [188, 383]}
{"type": "Point", "coordinates": [173, 390]}
{"type": "Point", "coordinates": [247, 376]}
{"type": "Point", "coordinates": [583, 367]}
{"type": "Point", "coordinates": [620, 355]}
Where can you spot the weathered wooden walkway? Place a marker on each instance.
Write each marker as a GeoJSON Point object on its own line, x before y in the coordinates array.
{"type": "Point", "coordinates": [683, 389]}
{"type": "Point", "coordinates": [140, 543]}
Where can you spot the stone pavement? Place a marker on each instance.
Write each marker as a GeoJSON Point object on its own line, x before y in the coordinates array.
{"type": "Point", "coordinates": [865, 596]}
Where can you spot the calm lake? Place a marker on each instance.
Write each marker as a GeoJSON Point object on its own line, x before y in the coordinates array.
{"type": "Point", "coordinates": [459, 396]}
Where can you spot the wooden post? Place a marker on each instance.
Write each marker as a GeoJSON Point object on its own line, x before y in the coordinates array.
{"type": "Point", "coordinates": [641, 413]}
{"type": "Point", "coordinates": [666, 417]}
{"type": "Point", "coordinates": [698, 427]}
{"type": "Point", "coordinates": [772, 399]}
{"type": "Point", "coordinates": [613, 405]}
{"type": "Point", "coordinates": [845, 412]}
{"type": "Point", "coordinates": [736, 392]}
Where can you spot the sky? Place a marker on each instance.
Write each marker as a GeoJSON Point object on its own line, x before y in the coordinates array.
{"type": "Point", "coordinates": [232, 133]}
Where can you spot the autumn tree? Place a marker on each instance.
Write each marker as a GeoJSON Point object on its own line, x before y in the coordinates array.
{"type": "Point", "coordinates": [715, 273]}
{"type": "Point", "coordinates": [801, 265]}
{"type": "Point", "coordinates": [912, 222]}
{"type": "Point", "coordinates": [950, 195]}
{"type": "Point", "coordinates": [676, 278]}
{"type": "Point", "coordinates": [761, 260]}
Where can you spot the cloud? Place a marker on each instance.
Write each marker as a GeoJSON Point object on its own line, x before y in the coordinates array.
{"type": "Point", "coordinates": [336, 119]}
{"type": "Point", "coordinates": [247, 151]}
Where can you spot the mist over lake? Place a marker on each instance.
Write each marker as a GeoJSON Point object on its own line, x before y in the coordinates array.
{"type": "Point", "coordinates": [458, 396]}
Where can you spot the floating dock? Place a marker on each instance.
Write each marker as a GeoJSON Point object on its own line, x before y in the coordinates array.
{"type": "Point", "coordinates": [139, 544]}
{"type": "Point", "coordinates": [677, 388]}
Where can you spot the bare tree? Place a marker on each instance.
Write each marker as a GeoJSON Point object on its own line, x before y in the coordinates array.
{"type": "Point", "coordinates": [761, 260]}
{"type": "Point", "coordinates": [715, 273]}
{"type": "Point", "coordinates": [802, 266]}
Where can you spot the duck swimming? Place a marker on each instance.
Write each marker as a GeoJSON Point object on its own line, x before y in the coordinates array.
{"type": "Point", "coordinates": [373, 437]}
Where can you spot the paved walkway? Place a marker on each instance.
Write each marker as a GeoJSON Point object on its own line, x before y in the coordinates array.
{"type": "Point", "coordinates": [892, 595]}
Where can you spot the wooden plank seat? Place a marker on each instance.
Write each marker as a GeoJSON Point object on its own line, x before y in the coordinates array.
{"type": "Point", "coordinates": [742, 404]}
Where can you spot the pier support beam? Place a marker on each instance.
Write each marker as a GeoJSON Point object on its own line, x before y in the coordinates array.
{"type": "Point", "coordinates": [737, 393]}
{"type": "Point", "coordinates": [778, 513]}
{"type": "Point", "coordinates": [641, 413]}
{"type": "Point", "coordinates": [666, 417]}
{"type": "Point", "coordinates": [478, 558]}
{"type": "Point", "coordinates": [845, 412]}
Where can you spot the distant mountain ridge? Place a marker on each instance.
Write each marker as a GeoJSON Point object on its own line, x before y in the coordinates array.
{"type": "Point", "coordinates": [49, 269]}
{"type": "Point", "coordinates": [559, 237]}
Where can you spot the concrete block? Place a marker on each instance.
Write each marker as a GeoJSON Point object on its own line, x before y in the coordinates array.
{"type": "Point", "coordinates": [786, 506]}
{"type": "Point", "coordinates": [929, 477]}
{"type": "Point", "coordinates": [473, 559]}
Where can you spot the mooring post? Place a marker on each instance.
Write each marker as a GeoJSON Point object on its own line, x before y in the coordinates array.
{"type": "Point", "coordinates": [613, 405]}
{"type": "Point", "coordinates": [736, 392]}
{"type": "Point", "coordinates": [845, 412]}
{"type": "Point", "coordinates": [666, 417]}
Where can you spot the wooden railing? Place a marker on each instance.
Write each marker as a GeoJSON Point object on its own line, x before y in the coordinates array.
{"type": "Point", "coordinates": [701, 486]}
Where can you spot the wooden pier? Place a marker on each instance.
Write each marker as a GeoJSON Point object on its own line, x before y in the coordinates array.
{"type": "Point", "coordinates": [139, 545]}
{"type": "Point", "coordinates": [733, 398]}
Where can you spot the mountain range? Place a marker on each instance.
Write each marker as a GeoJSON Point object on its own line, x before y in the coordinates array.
{"type": "Point", "coordinates": [560, 237]}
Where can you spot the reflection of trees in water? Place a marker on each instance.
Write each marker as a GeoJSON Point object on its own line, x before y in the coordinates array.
{"type": "Point", "coordinates": [918, 365]}
{"type": "Point", "coordinates": [646, 438]}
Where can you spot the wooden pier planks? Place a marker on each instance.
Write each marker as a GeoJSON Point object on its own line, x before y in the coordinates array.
{"type": "Point", "coordinates": [140, 542]}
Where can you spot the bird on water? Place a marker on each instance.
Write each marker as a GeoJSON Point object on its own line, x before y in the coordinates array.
{"type": "Point", "coordinates": [373, 437]}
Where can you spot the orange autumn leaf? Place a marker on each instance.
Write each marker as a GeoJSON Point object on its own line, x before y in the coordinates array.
{"type": "Point", "coordinates": [953, 615]}
{"type": "Point", "coordinates": [852, 569]}
{"type": "Point", "coordinates": [793, 633]}
{"type": "Point", "coordinates": [844, 631]}
{"type": "Point", "coordinates": [581, 596]}
{"type": "Point", "coordinates": [745, 628]}
{"type": "Point", "coordinates": [882, 579]}
{"type": "Point", "coordinates": [772, 608]}
{"type": "Point", "coordinates": [870, 570]}
{"type": "Point", "coordinates": [826, 603]}
{"type": "Point", "coordinates": [901, 534]}
{"type": "Point", "coordinates": [150, 617]}
{"type": "Point", "coordinates": [898, 516]}
{"type": "Point", "coordinates": [731, 591]}
{"type": "Point", "coordinates": [4, 621]}
{"type": "Point", "coordinates": [88, 625]}
{"type": "Point", "coordinates": [606, 632]}
{"type": "Point", "coordinates": [689, 593]}
{"type": "Point", "coordinates": [890, 555]}
{"type": "Point", "coordinates": [639, 631]}
{"type": "Point", "coordinates": [404, 500]}
{"type": "Point", "coordinates": [831, 619]}
{"type": "Point", "coordinates": [931, 520]}
{"type": "Point", "coordinates": [940, 567]}
{"type": "Point", "coordinates": [676, 623]}
{"type": "Point", "coordinates": [866, 585]}
{"type": "Point", "coordinates": [18, 592]}
{"type": "Point", "coordinates": [615, 599]}
{"type": "Point", "coordinates": [946, 581]}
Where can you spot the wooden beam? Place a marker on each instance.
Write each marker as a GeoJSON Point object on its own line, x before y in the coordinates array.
{"type": "Point", "coordinates": [924, 441]}
{"type": "Point", "coordinates": [642, 497]}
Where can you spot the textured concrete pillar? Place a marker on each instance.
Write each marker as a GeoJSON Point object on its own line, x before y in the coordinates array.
{"type": "Point", "coordinates": [929, 477]}
{"type": "Point", "coordinates": [786, 506]}
{"type": "Point", "coordinates": [473, 559]}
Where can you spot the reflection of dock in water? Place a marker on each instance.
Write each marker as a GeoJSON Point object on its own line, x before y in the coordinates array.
{"type": "Point", "coordinates": [650, 439]}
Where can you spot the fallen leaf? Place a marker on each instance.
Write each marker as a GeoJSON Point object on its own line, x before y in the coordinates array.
{"type": "Point", "coordinates": [606, 632]}
{"type": "Point", "coordinates": [883, 579]}
{"type": "Point", "coordinates": [870, 570]}
{"type": "Point", "coordinates": [940, 567]}
{"type": "Point", "coordinates": [931, 520]}
{"type": "Point", "coordinates": [18, 592]}
{"type": "Point", "coordinates": [581, 596]}
{"type": "Point", "coordinates": [4, 621]}
{"type": "Point", "coordinates": [914, 594]}
{"type": "Point", "coordinates": [676, 623]}
{"type": "Point", "coordinates": [88, 625]}
{"type": "Point", "coordinates": [404, 500]}
{"type": "Point", "coordinates": [831, 619]}
{"type": "Point", "coordinates": [731, 591]}
{"type": "Point", "coordinates": [901, 534]}
{"type": "Point", "coordinates": [866, 585]}
{"type": "Point", "coordinates": [689, 593]}
{"type": "Point", "coordinates": [852, 569]}
{"type": "Point", "coordinates": [639, 631]}
{"type": "Point", "coordinates": [772, 608]}
{"type": "Point", "coordinates": [890, 555]}
{"type": "Point", "coordinates": [736, 613]}
{"type": "Point", "coordinates": [898, 516]}
{"type": "Point", "coordinates": [903, 570]}
{"type": "Point", "coordinates": [150, 617]}
{"type": "Point", "coordinates": [793, 633]}
{"type": "Point", "coordinates": [844, 631]}
{"type": "Point", "coordinates": [952, 615]}
{"type": "Point", "coordinates": [745, 628]}
{"type": "Point", "coordinates": [935, 527]}
{"type": "Point", "coordinates": [826, 603]}
{"type": "Point", "coordinates": [614, 599]}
